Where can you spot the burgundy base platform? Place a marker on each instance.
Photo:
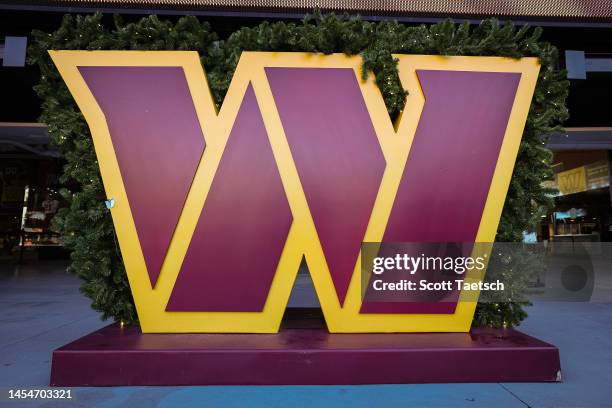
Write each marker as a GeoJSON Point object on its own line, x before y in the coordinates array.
{"type": "Point", "coordinates": [125, 356]}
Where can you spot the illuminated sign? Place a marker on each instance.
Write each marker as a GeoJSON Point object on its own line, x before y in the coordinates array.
{"type": "Point", "coordinates": [590, 177]}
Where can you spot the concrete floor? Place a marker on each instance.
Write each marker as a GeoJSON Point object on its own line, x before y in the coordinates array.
{"type": "Point", "coordinates": [42, 309]}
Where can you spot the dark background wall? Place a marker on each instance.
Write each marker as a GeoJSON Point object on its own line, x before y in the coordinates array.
{"type": "Point", "coordinates": [589, 101]}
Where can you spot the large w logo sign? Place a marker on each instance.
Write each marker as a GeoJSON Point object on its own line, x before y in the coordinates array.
{"type": "Point", "coordinates": [215, 211]}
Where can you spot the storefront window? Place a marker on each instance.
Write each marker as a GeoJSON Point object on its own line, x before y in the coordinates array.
{"type": "Point", "coordinates": [29, 200]}
{"type": "Point", "coordinates": [583, 210]}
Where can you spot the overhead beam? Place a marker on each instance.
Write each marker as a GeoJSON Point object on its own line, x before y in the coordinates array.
{"type": "Point", "coordinates": [585, 138]}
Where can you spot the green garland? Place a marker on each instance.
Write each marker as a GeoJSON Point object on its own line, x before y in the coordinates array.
{"type": "Point", "coordinates": [86, 227]}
